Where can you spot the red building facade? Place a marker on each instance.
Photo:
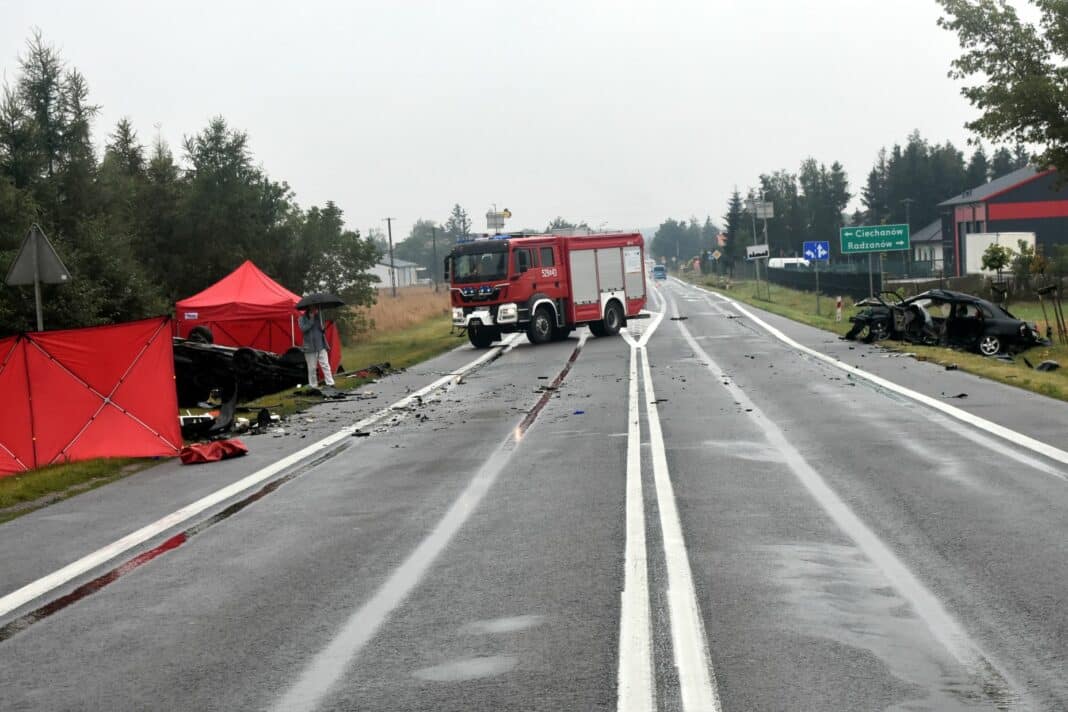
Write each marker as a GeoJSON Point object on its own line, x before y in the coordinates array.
{"type": "Point", "coordinates": [1025, 200]}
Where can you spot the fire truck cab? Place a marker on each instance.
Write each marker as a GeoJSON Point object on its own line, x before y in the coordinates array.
{"type": "Point", "coordinates": [545, 285]}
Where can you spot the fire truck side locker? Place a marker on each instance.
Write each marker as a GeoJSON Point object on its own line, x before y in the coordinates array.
{"type": "Point", "coordinates": [601, 274]}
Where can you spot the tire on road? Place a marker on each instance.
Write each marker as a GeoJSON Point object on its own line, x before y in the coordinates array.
{"type": "Point", "coordinates": [542, 324]}
{"type": "Point", "coordinates": [482, 337]}
{"type": "Point", "coordinates": [613, 320]}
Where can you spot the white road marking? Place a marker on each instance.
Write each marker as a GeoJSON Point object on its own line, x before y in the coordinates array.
{"type": "Point", "coordinates": [46, 584]}
{"type": "Point", "coordinates": [697, 685]}
{"type": "Point", "coordinates": [926, 605]}
{"type": "Point", "coordinates": [1012, 436]}
{"type": "Point", "coordinates": [333, 661]}
{"type": "Point", "coordinates": [636, 691]}
{"type": "Point", "coordinates": [697, 680]}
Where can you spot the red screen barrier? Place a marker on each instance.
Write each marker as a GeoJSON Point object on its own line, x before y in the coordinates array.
{"type": "Point", "coordinates": [105, 391]}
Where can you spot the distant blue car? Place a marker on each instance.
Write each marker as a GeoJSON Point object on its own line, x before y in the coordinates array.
{"type": "Point", "coordinates": [659, 272]}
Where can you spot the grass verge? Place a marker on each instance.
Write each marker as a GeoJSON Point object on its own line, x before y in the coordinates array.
{"type": "Point", "coordinates": [801, 307]}
{"type": "Point", "coordinates": [23, 493]}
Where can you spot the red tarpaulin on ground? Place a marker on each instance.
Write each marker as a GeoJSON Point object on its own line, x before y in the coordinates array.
{"type": "Point", "coordinates": [199, 453]}
{"type": "Point", "coordinates": [248, 308]}
{"type": "Point", "coordinates": [105, 391]}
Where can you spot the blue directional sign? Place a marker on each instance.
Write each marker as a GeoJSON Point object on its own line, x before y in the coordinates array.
{"type": "Point", "coordinates": [817, 251]}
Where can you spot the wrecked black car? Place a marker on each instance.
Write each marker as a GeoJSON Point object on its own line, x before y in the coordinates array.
{"type": "Point", "coordinates": [201, 367]}
{"type": "Point", "coordinates": [939, 317]}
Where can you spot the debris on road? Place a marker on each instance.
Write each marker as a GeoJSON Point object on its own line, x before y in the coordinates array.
{"type": "Point", "coordinates": [952, 367]}
{"type": "Point", "coordinates": [376, 370]}
{"type": "Point", "coordinates": [195, 426]}
{"type": "Point", "coordinates": [1047, 366]}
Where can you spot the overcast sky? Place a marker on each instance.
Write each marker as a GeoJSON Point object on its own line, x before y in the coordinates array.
{"type": "Point", "coordinates": [618, 112]}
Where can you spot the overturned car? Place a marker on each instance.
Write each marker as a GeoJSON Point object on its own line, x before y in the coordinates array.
{"type": "Point", "coordinates": [939, 317]}
{"type": "Point", "coordinates": [201, 367]}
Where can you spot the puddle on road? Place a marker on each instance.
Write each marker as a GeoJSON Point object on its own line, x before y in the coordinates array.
{"type": "Point", "coordinates": [468, 669]}
{"type": "Point", "coordinates": [756, 451]}
{"type": "Point", "coordinates": [512, 624]}
{"type": "Point", "coordinates": [835, 592]}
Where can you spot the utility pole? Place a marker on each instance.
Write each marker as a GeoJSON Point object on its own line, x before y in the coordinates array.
{"type": "Point", "coordinates": [392, 276]}
{"type": "Point", "coordinates": [908, 221]}
{"type": "Point", "coordinates": [434, 229]}
{"type": "Point", "coordinates": [766, 242]}
{"type": "Point", "coordinates": [752, 214]}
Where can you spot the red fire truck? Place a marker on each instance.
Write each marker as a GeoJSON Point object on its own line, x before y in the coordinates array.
{"type": "Point", "coordinates": [545, 285]}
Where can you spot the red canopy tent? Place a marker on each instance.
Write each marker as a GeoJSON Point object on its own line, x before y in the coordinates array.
{"type": "Point", "coordinates": [248, 308]}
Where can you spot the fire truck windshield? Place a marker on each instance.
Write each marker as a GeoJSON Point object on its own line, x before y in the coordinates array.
{"type": "Point", "coordinates": [479, 266]}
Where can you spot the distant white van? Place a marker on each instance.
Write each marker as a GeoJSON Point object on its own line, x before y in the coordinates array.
{"type": "Point", "coordinates": [781, 262]}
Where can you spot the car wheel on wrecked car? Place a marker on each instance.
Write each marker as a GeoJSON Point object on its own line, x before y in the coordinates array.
{"type": "Point", "coordinates": [201, 334]}
{"type": "Point", "coordinates": [989, 345]}
{"type": "Point", "coordinates": [873, 331]}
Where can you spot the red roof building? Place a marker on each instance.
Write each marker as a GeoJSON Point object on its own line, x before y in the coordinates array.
{"type": "Point", "coordinates": [1026, 200]}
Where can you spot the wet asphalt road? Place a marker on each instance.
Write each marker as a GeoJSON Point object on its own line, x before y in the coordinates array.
{"type": "Point", "coordinates": [839, 546]}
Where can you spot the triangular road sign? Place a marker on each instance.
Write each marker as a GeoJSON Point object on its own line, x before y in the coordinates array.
{"type": "Point", "coordinates": [37, 261]}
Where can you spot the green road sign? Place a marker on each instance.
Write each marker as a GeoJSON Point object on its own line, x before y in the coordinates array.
{"type": "Point", "coordinates": [874, 238]}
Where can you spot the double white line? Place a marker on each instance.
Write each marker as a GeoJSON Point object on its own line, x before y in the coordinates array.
{"type": "Point", "coordinates": [636, 686]}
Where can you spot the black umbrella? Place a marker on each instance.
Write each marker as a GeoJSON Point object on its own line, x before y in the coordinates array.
{"type": "Point", "coordinates": [320, 299]}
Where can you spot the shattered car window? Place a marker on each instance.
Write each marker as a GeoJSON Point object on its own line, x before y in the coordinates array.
{"type": "Point", "coordinates": [938, 309]}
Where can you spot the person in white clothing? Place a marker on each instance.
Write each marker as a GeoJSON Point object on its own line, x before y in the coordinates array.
{"type": "Point", "coordinates": [315, 347]}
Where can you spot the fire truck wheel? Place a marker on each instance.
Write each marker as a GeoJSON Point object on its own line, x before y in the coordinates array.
{"type": "Point", "coordinates": [482, 337]}
{"type": "Point", "coordinates": [540, 329]}
{"type": "Point", "coordinates": [613, 320]}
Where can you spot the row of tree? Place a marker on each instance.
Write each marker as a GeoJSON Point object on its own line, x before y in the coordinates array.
{"type": "Point", "coordinates": [904, 186]}
{"type": "Point", "coordinates": [140, 227]}
{"type": "Point", "coordinates": [907, 183]}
